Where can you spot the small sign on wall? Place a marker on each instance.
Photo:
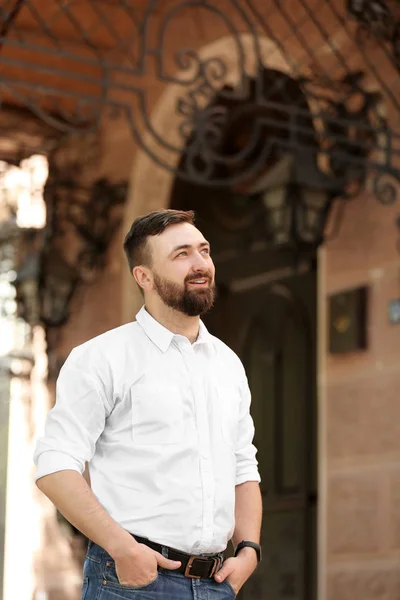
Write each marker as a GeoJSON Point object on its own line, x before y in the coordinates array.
{"type": "Point", "coordinates": [348, 321]}
{"type": "Point", "coordinates": [394, 311]}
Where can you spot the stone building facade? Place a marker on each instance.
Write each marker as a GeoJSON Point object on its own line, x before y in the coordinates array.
{"type": "Point", "coordinates": [357, 503]}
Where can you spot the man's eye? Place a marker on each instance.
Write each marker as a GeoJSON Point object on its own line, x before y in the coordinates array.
{"type": "Point", "coordinates": [206, 251]}
{"type": "Point", "coordinates": [181, 254]}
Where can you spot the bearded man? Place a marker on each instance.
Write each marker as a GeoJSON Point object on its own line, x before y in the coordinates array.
{"type": "Point", "coordinates": [160, 410]}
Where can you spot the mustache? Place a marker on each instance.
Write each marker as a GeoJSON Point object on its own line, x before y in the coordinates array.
{"type": "Point", "coordinates": [195, 276]}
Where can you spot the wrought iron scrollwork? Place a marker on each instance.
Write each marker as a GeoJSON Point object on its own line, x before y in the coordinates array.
{"type": "Point", "coordinates": [89, 215]}
{"type": "Point", "coordinates": [378, 19]}
{"type": "Point", "coordinates": [312, 86]}
{"type": "Point", "coordinates": [100, 67]}
{"type": "Point", "coordinates": [47, 278]}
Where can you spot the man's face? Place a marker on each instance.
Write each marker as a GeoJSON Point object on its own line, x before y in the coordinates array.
{"type": "Point", "coordinates": [182, 270]}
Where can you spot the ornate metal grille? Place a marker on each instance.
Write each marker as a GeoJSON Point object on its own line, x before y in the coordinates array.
{"type": "Point", "coordinates": [302, 78]}
{"type": "Point", "coordinates": [379, 19]}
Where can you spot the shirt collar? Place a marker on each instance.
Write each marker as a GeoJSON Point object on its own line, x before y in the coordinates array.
{"type": "Point", "coordinates": [162, 337]}
{"type": "Point", "coordinates": [204, 336]}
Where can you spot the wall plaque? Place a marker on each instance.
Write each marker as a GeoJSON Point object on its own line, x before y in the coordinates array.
{"type": "Point", "coordinates": [348, 321]}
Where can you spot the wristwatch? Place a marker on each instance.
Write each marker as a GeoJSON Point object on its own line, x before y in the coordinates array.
{"type": "Point", "coordinates": [245, 544]}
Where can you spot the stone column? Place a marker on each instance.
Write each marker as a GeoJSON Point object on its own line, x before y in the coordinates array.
{"type": "Point", "coordinates": [4, 415]}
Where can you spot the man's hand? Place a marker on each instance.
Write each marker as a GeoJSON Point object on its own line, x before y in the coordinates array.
{"type": "Point", "coordinates": [138, 566]}
{"type": "Point", "coordinates": [238, 570]}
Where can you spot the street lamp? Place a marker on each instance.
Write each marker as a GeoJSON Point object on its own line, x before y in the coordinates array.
{"type": "Point", "coordinates": [296, 216]}
{"type": "Point", "coordinates": [57, 284]}
{"type": "Point", "coordinates": [297, 199]}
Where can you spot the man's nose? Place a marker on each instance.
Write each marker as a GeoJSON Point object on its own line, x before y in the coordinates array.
{"type": "Point", "coordinates": [199, 262]}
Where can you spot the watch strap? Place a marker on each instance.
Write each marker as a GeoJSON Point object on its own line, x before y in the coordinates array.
{"type": "Point", "coordinates": [247, 544]}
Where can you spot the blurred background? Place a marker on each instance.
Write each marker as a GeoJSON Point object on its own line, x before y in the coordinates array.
{"type": "Point", "coordinates": [277, 121]}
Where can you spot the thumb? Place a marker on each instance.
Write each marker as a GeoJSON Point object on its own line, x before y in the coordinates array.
{"type": "Point", "coordinates": [166, 563]}
{"type": "Point", "coordinates": [223, 573]}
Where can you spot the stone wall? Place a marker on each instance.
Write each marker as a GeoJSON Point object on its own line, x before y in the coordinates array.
{"type": "Point", "coordinates": [363, 414]}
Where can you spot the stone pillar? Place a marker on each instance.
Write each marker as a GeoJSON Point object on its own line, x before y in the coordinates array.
{"type": "Point", "coordinates": [4, 415]}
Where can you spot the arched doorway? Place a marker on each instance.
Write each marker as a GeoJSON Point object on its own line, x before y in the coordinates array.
{"type": "Point", "coordinates": [266, 312]}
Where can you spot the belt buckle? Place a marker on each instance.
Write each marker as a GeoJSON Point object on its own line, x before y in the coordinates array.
{"type": "Point", "coordinates": [217, 563]}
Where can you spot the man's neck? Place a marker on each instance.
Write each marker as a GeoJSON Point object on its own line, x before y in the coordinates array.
{"type": "Point", "coordinates": [175, 321]}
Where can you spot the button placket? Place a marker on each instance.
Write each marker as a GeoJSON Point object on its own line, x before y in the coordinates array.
{"type": "Point", "coordinates": [199, 394]}
{"type": "Point", "coordinates": [206, 464]}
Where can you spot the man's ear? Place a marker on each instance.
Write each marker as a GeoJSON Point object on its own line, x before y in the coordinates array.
{"type": "Point", "coordinates": [143, 277]}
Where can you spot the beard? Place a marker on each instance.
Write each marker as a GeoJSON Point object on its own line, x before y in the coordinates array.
{"type": "Point", "coordinates": [190, 302]}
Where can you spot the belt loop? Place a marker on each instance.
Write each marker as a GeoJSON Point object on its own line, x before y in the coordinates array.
{"type": "Point", "coordinates": [164, 551]}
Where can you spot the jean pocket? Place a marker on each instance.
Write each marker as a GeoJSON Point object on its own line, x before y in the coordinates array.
{"type": "Point", "coordinates": [111, 579]}
{"type": "Point", "coordinates": [231, 588]}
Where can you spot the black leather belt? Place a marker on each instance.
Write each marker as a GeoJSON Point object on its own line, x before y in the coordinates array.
{"type": "Point", "coordinates": [195, 567]}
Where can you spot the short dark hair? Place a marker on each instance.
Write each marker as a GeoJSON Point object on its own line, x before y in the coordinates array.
{"type": "Point", "coordinates": [154, 223]}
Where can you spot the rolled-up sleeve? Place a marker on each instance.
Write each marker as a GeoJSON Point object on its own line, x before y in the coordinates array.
{"type": "Point", "coordinates": [246, 462]}
{"type": "Point", "coordinates": [74, 424]}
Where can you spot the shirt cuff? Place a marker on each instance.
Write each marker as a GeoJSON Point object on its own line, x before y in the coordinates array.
{"type": "Point", "coordinates": [52, 461]}
{"type": "Point", "coordinates": [250, 475]}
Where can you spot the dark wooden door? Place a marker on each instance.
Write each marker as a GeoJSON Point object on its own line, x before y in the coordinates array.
{"type": "Point", "coordinates": [266, 312]}
{"type": "Point", "coordinates": [272, 327]}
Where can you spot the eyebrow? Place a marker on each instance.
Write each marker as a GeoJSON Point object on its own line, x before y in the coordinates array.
{"type": "Point", "coordinates": [186, 246]}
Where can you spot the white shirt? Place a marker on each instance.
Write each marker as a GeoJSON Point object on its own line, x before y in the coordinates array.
{"type": "Point", "coordinates": [165, 427]}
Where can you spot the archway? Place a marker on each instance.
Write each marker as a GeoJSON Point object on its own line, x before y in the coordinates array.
{"type": "Point", "coordinates": [266, 312]}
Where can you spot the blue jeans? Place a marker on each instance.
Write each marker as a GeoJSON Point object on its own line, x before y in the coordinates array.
{"type": "Point", "coordinates": [100, 582]}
